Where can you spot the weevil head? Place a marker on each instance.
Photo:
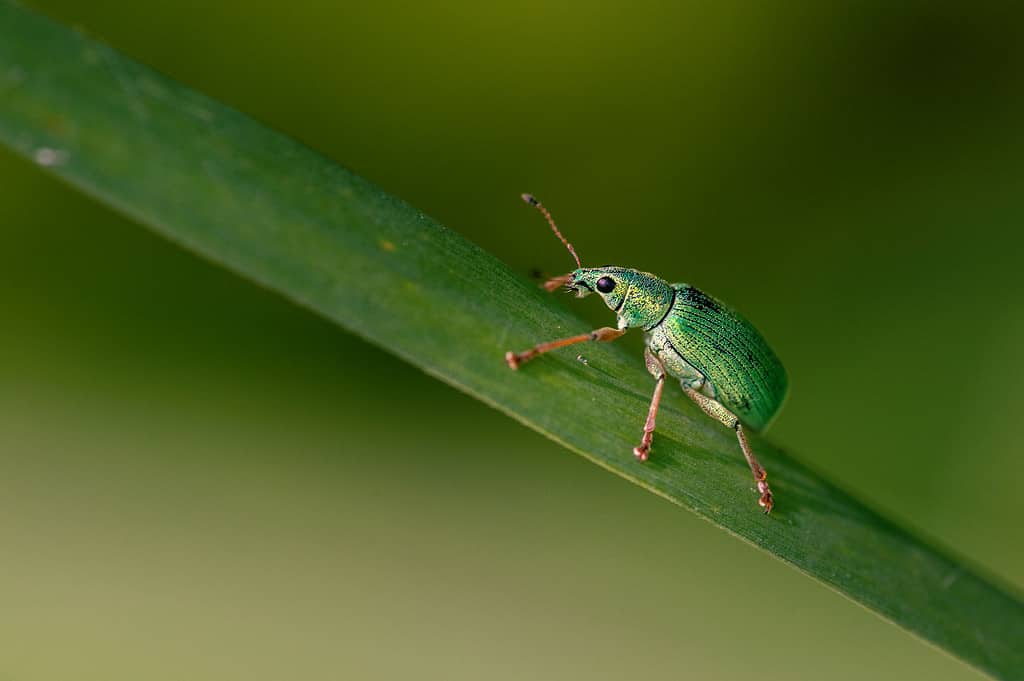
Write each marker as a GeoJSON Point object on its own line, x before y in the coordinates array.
{"type": "Point", "coordinates": [637, 298]}
{"type": "Point", "coordinates": [608, 282]}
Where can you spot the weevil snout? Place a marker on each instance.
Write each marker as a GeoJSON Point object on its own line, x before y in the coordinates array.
{"type": "Point", "coordinates": [569, 283]}
{"type": "Point", "coordinates": [572, 282]}
{"type": "Point", "coordinates": [581, 289]}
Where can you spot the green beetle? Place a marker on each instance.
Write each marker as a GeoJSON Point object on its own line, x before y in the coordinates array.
{"type": "Point", "coordinates": [720, 359]}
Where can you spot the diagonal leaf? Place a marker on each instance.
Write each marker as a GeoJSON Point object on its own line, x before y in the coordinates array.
{"type": "Point", "coordinates": [240, 194]}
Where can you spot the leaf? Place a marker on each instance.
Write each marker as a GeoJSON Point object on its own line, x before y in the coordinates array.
{"type": "Point", "coordinates": [232, 190]}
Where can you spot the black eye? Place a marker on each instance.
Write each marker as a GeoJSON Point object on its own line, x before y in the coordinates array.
{"type": "Point", "coordinates": [605, 284]}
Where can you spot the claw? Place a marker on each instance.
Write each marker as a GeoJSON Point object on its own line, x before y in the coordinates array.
{"type": "Point", "coordinates": [766, 502]}
{"type": "Point", "coordinates": [641, 452]}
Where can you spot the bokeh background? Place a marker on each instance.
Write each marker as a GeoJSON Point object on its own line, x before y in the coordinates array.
{"type": "Point", "coordinates": [202, 481]}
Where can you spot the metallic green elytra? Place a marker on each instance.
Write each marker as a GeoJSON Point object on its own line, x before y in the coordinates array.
{"type": "Point", "coordinates": [721, 361]}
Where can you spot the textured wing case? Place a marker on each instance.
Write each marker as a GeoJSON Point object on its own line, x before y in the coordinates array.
{"type": "Point", "coordinates": [746, 375]}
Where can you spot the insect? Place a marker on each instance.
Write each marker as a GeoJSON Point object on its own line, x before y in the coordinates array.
{"type": "Point", "coordinates": [719, 358]}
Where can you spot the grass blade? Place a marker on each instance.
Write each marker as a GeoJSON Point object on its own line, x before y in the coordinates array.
{"type": "Point", "coordinates": [240, 194]}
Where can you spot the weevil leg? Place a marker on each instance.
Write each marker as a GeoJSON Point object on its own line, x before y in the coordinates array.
{"type": "Point", "coordinates": [718, 412]}
{"type": "Point", "coordinates": [760, 474]}
{"type": "Point", "coordinates": [604, 334]}
{"type": "Point", "coordinates": [656, 369]}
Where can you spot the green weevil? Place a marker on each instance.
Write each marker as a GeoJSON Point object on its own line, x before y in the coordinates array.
{"type": "Point", "coordinates": [720, 359]}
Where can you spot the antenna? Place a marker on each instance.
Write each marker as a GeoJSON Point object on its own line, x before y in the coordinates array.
{"type": "Point", "coordinates": [529, 198]}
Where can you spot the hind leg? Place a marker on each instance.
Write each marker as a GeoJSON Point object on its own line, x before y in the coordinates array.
{"type": "Point", "coordinates": [656, 369]}
{"type": "Point", "coordinates": [716, 411]}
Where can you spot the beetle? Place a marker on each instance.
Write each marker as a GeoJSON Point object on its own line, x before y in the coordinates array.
{"type": "Point", "coordinates": [721, 361]}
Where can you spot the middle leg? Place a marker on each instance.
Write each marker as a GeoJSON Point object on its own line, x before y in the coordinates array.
{"type": "Point", "coordinates": [655, 367]}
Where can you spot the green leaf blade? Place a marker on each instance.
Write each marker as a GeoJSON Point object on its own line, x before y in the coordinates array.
{"type": "Point", "coordinates": [234, 191]}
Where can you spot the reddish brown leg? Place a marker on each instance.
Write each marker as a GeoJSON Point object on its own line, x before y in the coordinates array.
{"type": "Point", "coordinates": [603, 334]}
{"type": "Point", "coordinates": [658, 371]}
{"type": "Point", "coordinates": [760, 475]}
{"type": "Point", "coordinates": [557, 282]}
{"type": "Point", "coordinates": [716, 411]}
{"type": "Point", "coordinates": [644, 449]}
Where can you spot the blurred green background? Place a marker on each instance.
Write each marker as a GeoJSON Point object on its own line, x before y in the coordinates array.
{"type": "Point", "coordinates": [203, 481]}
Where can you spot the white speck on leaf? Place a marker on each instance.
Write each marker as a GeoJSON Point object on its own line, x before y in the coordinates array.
{"type": "Point", "coordinates": [47, 157]}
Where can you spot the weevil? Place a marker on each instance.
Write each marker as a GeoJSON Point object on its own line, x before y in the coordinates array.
{"type": "Point", "coordinates": [721, 361]}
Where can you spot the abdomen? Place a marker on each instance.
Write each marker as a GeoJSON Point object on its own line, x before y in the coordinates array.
{"type": "Point", "coordinates": [728, 351]}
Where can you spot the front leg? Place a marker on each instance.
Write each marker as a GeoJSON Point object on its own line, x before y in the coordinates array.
{"type": "Point", "coordinates": [604, 334]}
